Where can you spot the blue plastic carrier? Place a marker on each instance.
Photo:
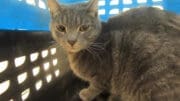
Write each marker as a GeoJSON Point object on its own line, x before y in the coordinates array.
{"type": "Point", "coordinates": [31, 64]}
{"type": "Point", "coordinates": [34, 15]}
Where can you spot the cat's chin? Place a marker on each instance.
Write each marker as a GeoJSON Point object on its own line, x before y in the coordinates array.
{"type": "Point", "coordinates": [73, 51]}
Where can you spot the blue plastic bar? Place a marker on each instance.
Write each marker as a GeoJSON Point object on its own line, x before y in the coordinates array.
{"type": "Point", "coordinates": [33, 14]}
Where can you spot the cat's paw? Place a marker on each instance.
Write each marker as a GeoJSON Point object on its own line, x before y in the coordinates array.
{"type": "Point", "coordinates": [85, 95]}
{"type": "Point", "coordinates": [75, 98]}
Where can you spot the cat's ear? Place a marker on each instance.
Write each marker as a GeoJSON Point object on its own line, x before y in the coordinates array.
{"type": "Point", "coordinates": [53, 6]}
{"type": "Point", "coordinates": [92, 8]}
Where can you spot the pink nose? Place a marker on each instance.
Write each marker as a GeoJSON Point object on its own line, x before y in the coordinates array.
{"type": "Point", "coordinates": [71, 42]}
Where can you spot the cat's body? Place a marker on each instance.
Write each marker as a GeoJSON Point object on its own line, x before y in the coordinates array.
{"type": "Point", "coordinates": [146, 55]}
{"type": "Point", "coordinates": [135, 56]}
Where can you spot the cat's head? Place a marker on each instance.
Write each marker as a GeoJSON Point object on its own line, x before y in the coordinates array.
{"type": "Point", "coordinates": [76, 26]}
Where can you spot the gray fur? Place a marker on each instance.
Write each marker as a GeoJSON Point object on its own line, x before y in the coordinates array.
{"type": "Point", "coordinates": [135, 55]}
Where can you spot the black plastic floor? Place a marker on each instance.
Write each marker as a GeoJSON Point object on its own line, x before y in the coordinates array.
{"type": "Point", "coordinates": [66, 89]}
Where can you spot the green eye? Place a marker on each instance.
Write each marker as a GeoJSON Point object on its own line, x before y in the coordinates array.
{"type": "Point", "coordinates": [61, 28]}
{"type": "Point", "coordinates": [83, 28]}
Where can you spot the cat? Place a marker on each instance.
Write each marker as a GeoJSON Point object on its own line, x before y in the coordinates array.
{"type": "Point", "coordinates": [135, 56]}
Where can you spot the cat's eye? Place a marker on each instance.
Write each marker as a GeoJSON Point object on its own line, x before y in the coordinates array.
{"type": "Point", "coordinates": [83, 28]}
{"type": "Point", "coordinates": [61, 28]}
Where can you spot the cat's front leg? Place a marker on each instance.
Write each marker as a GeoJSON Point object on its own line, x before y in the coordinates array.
{"type": "Point", "coordinates": [88, 94]}
{"type": "Point", "coordinates": [114, 97]}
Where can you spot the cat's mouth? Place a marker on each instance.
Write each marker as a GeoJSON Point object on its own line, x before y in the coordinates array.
{"type": "Point", "coordinates": [73, 49]}
{"type": "Point", "coordinates": [77, 47]}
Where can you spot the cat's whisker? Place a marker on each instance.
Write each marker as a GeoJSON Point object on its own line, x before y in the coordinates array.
{"type": "Point", "coordinates": [52, 42]}
{"type": "Point", "coordinates": [94, 53]}
{"type": "Point", "coordinates": [89, 51]}
{"type": "Point", "coordinates": [54, 45]}
{"type": "Point", "coordinates": [97, 47]}
{"type": "Point", "coordinates": [99, 43]}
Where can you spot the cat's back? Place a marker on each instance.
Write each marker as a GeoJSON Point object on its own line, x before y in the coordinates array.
{"type": "Point", "coordinates": [147, 22]}
{"type": "Point", "coordinates": [148, 41]}
{"type": "Point", "coordinates": [144, 18]}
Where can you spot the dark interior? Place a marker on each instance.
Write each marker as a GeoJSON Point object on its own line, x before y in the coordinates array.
{"type": "Point", "coordinates": [23, 43]}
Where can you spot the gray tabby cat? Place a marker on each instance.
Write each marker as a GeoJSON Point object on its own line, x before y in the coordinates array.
{"type": "Point", "coordinates": [135, 56]}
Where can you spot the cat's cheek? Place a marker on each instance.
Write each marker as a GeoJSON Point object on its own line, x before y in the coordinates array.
{"type": "Point", "coordinates": [58, 38]}
{"type": "Point", "coordinates": [87, 36]}
{"type": "Point", "coordinates": [92, 38]}
{"type": "Point", "coordinates": [55, 37]}
{"type": "Point", "coordinates": [93, 35]}
{"type": "Point", "coordinates": [59, 35]}
{"type": "Point", "coordinates": [85, 44]}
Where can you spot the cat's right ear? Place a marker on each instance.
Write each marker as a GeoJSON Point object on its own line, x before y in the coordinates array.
{"type": "Point", "coordinates": [92, 8]}
{"type": "Point", "coordinates": [53, 6]}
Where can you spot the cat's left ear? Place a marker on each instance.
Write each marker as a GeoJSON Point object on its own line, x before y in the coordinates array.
{"type": "Point", "coordinates": [92, 8]}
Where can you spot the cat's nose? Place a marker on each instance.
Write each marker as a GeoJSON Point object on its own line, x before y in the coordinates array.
{"type": "Point", "coordinates": [72, 42]}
